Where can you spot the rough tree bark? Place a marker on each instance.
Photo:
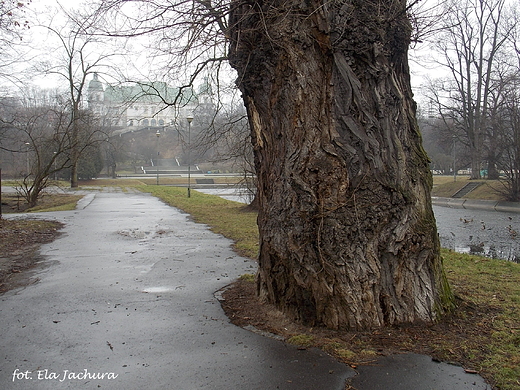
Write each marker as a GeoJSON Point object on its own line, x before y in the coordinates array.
{"type": "Point", "coordinates": [347, 234]}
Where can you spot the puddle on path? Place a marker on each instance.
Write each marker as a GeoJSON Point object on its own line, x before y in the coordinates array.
{"type": "Point", "coordinates": [154, 290]}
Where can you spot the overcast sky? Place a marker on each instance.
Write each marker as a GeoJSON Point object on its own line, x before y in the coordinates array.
{"type": "Point", "coordinates": [40, 38]}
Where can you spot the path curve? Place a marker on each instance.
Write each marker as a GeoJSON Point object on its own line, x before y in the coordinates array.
{"type": "Point", "coordinates": [128, 291]}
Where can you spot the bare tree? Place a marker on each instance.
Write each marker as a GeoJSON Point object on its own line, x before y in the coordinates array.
{"type": "Point", "coordinates": [473, 34]}
{"type": "Point", "coordinates": [347, 233]}
{"type": "Point", "coordinates": [348, 237]}
{"type": "Point", "coordinates": [509, 84]}
{"type": "Point", "coordinates": [185, 40]}
{"type": "Point", "coordinates": [439, 143]}
{"type": "Point", "coordinates": [42, 124]}
{"type": "Point", "coordinates": [228, 141]}
{"type": "Point", "coordinates": [12, 15]}
{"type": "Point", "coordinates": [13, 25]}
{"type": "Point", "coordinates": [78, 55]}
{"type": "Point", "coordinates": [506, 123]}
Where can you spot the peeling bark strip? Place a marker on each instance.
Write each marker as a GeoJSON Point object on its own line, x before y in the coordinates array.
{"type": "Point", "coordinates": [347, 233]}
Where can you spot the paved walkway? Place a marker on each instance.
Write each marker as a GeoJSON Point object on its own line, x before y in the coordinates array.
{"type": "Point", "coordinates": [125, 300]}
{"type": "Point", "coordinates": [128, 291]}
{"type": "Point", "coordinates": [477, 204]}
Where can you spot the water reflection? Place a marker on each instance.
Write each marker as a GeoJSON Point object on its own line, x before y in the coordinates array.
{"type": "Point", "coordinates": [485, 233]}
{"type": "Point", "coordinates": [492, 234]}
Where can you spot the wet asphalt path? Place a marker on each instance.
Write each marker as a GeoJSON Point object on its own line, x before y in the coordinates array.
{"type": "Point", "coordinates": [128, 291]}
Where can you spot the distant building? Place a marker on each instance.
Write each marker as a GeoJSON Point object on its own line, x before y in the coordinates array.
{"type": "Point", "coordinates": [145, 105]}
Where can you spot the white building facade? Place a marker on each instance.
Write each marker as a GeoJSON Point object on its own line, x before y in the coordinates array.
{"type": "Point", "coordinates": [144, 105]}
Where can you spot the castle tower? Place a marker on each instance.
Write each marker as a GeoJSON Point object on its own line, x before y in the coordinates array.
{"type": "Point", "coordinates": [95, 95]}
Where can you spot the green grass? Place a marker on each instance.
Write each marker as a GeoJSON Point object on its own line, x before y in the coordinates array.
{"type": "Point", "coordinates": [231, 219]}
{"type": "Point", "coordinates": [49, 202]}
{"type": "Point", "coordinates": [489, 190]}
{"type": "Point", "coordinates": [56, 203]}
{"type": "Point", "coordinates": [248, 278]}
{"type": "Point", "coordinates": [492, 286]}
{"type": "Point", "coordinates": [85, 184]}
{"type": "Point", "coordinates": [445, 187]}
{"type": "Point", "coordinates": [301, 340]}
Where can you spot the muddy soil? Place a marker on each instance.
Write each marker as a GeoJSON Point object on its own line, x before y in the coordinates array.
{"type": "Point", "coordinates": [19, 243]}
{"type": "Point", "coordinates": [360, 348]}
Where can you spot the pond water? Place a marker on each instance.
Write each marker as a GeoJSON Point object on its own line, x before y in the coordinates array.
{"type": "Point", "coordinates": [486, 233]}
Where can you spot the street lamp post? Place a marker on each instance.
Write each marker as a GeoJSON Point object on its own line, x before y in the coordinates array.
{"type": "Point", "coordinates": [157, 162]}
{"type": "Point", "coordinates": [55, 158]}
{"type": "Point", "coordinates": [454, 157]}
{"type": "Point", "coordinates": [0, 187]}
{"type": "Point", "coordinates": [27, 144]}
{"type": "Point", "coordinates": [189, 118]}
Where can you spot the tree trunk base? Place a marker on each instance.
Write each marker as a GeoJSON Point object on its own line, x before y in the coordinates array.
{"type": "Point", "coordinates": [348, 239]}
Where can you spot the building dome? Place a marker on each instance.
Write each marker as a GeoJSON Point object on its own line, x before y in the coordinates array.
{"type": "Point", "coordinates": [95, 85]}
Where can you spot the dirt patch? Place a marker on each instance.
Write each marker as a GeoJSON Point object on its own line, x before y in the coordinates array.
{"type": "Point", "coordinates": [459, 339]}
{"type": "Point", "coordinates": [20, 240]}
{"type": "Point", "coordinates": [13, 203]}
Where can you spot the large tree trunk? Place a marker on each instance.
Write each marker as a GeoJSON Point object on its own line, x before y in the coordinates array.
{"type": "Point", "coordinates": [476, 159]}
{"type": "Point", "coordinates": [347, 234]}
{"type": "Point", "coordinates": [74, 173]}
{"type": "Point", "coordinates": [75, 153]}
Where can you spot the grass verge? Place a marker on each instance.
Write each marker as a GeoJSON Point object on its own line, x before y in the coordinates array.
{"type": "Point", "coordinates": [445, 187]}
{"type": "Point", "coordinates": [231, 219]}
{"type": "Point", "coordinates": [58, 202]}
{"type": "Point", "coordinates": [489, 290]}
{"type": "Point", "coordinates": [12, 203]}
